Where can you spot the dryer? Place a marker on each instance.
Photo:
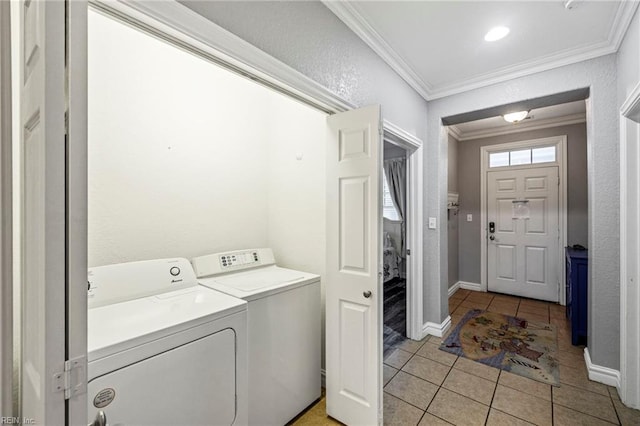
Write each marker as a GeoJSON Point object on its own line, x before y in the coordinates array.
{"type": "Point", "coordinates": [163, 350]}
{"type": "Point", "coordinates": [284, 322]}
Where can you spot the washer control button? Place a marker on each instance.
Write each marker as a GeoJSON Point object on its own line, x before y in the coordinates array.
{"type": "Point", "coordinates": [175, 271]}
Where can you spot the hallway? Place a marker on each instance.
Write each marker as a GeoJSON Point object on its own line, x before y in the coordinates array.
{"type": "Point", "coordinates": [426, 386]}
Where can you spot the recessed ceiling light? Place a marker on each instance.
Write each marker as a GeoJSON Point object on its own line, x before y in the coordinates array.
{"type": "Point", "coordinates": [496, 33]}
{"type": "Point", "coordinates": [514, 117]}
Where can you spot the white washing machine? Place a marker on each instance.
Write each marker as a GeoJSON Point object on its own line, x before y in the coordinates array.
{"type": "Point", "coordinates": [284, 329]}
{"type": "Point", "coordinates": [163, 350]}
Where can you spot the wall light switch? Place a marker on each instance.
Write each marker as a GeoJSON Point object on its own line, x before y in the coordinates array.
{"type": "Point", "coordinates": [432, 223]}
{"type": "Point", "coordinates": [469, 218]}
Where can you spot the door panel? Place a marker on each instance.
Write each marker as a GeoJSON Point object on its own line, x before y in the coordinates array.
{"type": "Point", "coordinates": [537, 223]}
{"type": "Point", "coordinates": [42, 119]}
{"type": "Point", "coordinates": [506, 262]}
{"type": "Point", "coordinates": [522, 257]}
{"type": "Point", "coordinates": [354, 214]}
{"type": "Point", "coordinates": [353, 278]}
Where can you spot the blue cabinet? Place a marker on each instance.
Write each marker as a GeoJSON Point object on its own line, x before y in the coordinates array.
{"type": "Point", "coordinates": [577, 281]}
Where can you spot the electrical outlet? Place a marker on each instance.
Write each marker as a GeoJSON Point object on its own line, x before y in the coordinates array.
{"type": "Point", "coordinates": [432, 223]}
{"type": "Point", "coordinates": [469, 218]}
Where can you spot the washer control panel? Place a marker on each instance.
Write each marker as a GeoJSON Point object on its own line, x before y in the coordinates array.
{"type": "Point", "coordinates": [219, 263]}
{"type": "Point", "coordinates": [231, 260]}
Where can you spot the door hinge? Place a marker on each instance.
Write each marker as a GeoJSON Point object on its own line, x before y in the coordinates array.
{"type": "Point", "coordinates": [73, 380]}
{"type": "Point", "coordinates": [408, 252]}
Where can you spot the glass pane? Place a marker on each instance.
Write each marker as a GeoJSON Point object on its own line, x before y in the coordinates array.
{"type": "Point", "coordinates": [520, 157]}
{"type": "Point", "coordinates": [543, 155]}
{"type": "Point", "coordinates": [388, 209]}
{"type": "Point", "coordinates": [498, 159]}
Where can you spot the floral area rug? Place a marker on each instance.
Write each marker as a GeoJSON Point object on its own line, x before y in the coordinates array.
{"type": "Point", "coordinates": [509, 343]}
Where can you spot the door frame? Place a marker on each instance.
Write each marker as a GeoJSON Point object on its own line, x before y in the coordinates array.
{"type": "Point", "coordinates": [77, 208]}
{"type": "Point", "coordinates": [561, 161]}
{"type": "Point", "coordinates": [629, 384]}
{"type": "Point", "coordinates": [6, 213]}
{"type": "Point", "coordinates": [413, 224]}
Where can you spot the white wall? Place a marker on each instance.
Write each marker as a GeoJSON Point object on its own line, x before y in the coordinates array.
{"type": "Point", "coordinates": [296, 187]}
{"type": "Point", "coordinates": [178, 151]}
{"type": "Point", "coordinates": [187, 159]}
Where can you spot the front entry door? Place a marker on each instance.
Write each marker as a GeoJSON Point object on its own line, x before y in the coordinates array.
{"type": "Point", "coordinates": [522, 252]}
{"type": "Point", "coordinates": [353, 276]}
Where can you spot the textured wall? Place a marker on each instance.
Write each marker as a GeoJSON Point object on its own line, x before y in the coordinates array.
{"type": "Point", "coordinates": [452, 216]}
{"type": "Point", "coordinates": [311, 39]}
{"type": "Point", "coordinates": [469, 178]}
{"type": "Point", "coordinates": [602, 153]}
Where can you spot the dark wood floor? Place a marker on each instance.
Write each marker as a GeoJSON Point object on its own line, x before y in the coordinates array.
{"type": "Point", "coordinates": [395, 315]}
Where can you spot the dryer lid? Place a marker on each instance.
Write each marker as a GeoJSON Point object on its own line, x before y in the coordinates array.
{"type": "Point", "coordinates": [121, 326]}
{"type": "Point", "coordinates": [260, 282]}
{"type": "Point", "coordinates": [260, 279]}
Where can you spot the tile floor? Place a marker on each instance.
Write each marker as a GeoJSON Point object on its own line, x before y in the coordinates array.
{"type": "Point", "coordinates": [426, 386]}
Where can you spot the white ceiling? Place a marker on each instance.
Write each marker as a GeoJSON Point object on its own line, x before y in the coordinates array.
{"type": "Point", "coordinates": [540, 118]}
{"type": "Point", "coordinates": [438, 47]}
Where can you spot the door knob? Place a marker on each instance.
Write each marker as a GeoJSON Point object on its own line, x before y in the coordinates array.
{"type": "Point", "coordinates": [367, 294]}
{"type": "Point", "coordinates": [492, 237]}
{"type": "Point", "coordinates": [100, 420]}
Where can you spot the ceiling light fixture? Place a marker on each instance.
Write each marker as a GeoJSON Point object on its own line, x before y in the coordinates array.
{"type": "Point", "coordinates": [496, 33]}
{"type": "Point", "coordinates": [515, 117]}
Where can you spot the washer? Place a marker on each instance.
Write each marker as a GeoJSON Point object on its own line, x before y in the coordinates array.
{"type": "Point", "coordinates": [163, 350]}
{"type": "Point", "coordinates": [284, 329]}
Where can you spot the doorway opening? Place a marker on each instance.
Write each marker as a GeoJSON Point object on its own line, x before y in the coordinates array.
{"type": "Point", "coordinates": [518, 183]}
{"type": "Point", "coordinates": [394, 256]}
{"type": "Point", "coordinates": [523, 203]}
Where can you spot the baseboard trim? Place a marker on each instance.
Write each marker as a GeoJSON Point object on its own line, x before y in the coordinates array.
{"type": "Point", "coordinates": [600, 374]}
{"type": "Point", "coordinates": [454, 288]}
{"type": "Point", "coordinates": [435, 329]}
{"type": "Point", "coordinates": [470, 286]}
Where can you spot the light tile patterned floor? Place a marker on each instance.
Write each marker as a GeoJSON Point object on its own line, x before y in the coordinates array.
{"type": "Point", "coordinates": [426, 386]}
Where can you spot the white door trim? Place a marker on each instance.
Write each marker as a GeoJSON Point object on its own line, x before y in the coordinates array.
{"type": "Point", "coordinates": [629, 388]}
{"type": "Point", "coordinates": [6, 214]}
{"type": "Point", "coordinates": [414, 222]}
{"type": "Point", "coordinates": [561, 162]}
{"type": "Point", "coordinates": [77, 215]}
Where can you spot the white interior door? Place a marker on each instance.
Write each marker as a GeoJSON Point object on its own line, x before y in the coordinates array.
{"type": "Point", "coordinates": [353, 278]}
{"type": "Point", "coordinates": [42, 120]}
{"type": "Point", "coordinates": [522, 252]}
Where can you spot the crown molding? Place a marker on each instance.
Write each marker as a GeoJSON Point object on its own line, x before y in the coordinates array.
{"type": "Point", "coordinates": [621, 22]}
{"type": "Point", "coordinates": [455, 131]}
{"type": "Point", "coordinates": [348, 14]}
{"type": "Point", "coordinates": [356, 23]}
{"type": "Point", "coordinates": [522, 127]}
